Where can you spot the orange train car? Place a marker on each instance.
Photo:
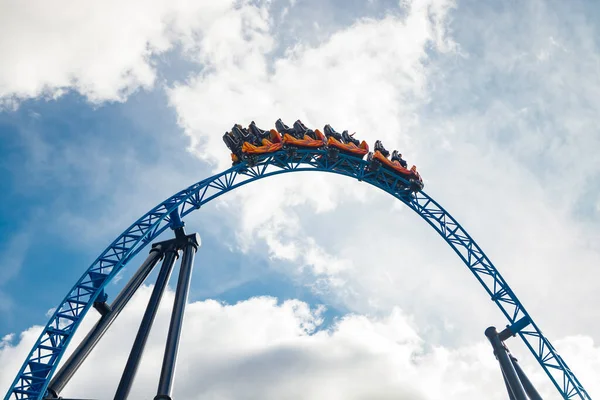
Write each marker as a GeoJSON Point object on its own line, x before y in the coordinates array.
{"type": "Point", "coordinates": [351, 148]}
{"type": "Point", "coordinates": [395, 166]}
{"type": "Point", "coordinates": [274, 143]}
{"type": "Point", "coordinates": [270, 145]}
{"type": "Point", "coordinates": [307, 141]}
{"type": "Point", "coordinates": [267, 147]}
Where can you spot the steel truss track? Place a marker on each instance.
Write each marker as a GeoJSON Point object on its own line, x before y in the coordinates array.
{"type": "Point", "coordinates": [34, 376]}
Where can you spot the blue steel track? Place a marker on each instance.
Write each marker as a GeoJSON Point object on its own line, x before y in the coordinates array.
{"type": "Point", "coordinates": [34, 376]}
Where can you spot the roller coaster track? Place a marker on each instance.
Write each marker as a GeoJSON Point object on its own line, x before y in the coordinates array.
{"type": "Point", "coordinates": [34, 376]}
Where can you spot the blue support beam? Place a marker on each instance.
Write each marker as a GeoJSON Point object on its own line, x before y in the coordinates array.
{"type": "Point", "coordinates": [175, 220]}
{"type": "Point", "coordinates": [167, 373]}
{"type": "Point", "coordinates": [137, 350]}
{"type": "Point", "coordinates": [71, 310]}
{"type": "Point", "coordinates": [512, 330]}
{"type": "Point", "coordinates": [532, 393]}
{"type": "Point", "coordinates": [63, 376]}
{"type": "Point", "coordinates": [511, 379]}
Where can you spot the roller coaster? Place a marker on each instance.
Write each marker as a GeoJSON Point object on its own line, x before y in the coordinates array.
{"type": "Point", "coordinates": [247, 143]}
{"type": "Point", "coordinates": [258, 154]}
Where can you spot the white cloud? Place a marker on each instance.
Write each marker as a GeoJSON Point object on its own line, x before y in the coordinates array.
{"type": "Point", "coordinates": [400, 80]}
{"type": "Point", "coordinates": [404, 80]}
{"type": "Point", "coordinates": [260, 349]}
{"type": "Point", "coordinates": [103, 50]}
{"type": "Point", "coordinates": [373, 66]}
{"type": "Point", "coordinates": [370, 77]}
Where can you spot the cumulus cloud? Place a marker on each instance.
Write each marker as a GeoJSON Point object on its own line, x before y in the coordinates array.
{"type": "Point", "coordinates": [104, 51]}
{"type": "Point", "coordinates": [261, 349]}
{"type": "Point", "coordinates": [432, 82]}
{"type": "Point", "coordinates": [371, 77]}
{"type": "Point", "coordinates": [375, 66]}
{"type": "Point", "coordinates": [405, 79]}
{"type": "Point", "coordinates": [460, 96]}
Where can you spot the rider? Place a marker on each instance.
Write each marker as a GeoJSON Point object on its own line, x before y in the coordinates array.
{"type": "Point", "coordinates": [283, 129]}
{"type": "Point", "coordinates": [260, 134]}
{"type": "Point", "coordinates": [379, 147]}
{"type": "Point", "coordinates": [234, 144]}
{"type": "Point", "coordinates": [245, 135]}
{"type": "Point", "coordinates": [330, 132]}
{"type": "Point", "coordinates": [397, 156]}
{"type": "Point", "coordinates": [344, 137]}
{"type": "Point", "coordinates": [302, 130]}
{"type": "Point", "coordinates": [349, 138]}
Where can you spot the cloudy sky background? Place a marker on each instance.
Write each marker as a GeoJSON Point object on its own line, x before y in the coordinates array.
{"type": "Point", "coordinates": [307, 286]}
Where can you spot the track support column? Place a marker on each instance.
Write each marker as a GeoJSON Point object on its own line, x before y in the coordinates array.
{"type": "Point", "coordinates": [63, 376]}
{"type": "Point", "coordinates": [527, 385]}
{"type": "Point", "coordinates": [139, 344]}
{"type": "Point", "coordinates": [511, 378]}
{"type": "Point", "coordinates": [165, 384]}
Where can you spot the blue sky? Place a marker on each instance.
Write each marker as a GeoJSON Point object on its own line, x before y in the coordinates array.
{"type": "Point", "coordinates": [65, 161]}
{"type": "Point", "coordinates": [62, 160]}
{"type": "Point", "coordinates": [70, 158]}
{"type": "Point", "coordinates": [106, 112]}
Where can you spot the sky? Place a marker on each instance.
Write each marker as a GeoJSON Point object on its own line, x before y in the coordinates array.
{"type": "Point", "coordinates": [306, 286]}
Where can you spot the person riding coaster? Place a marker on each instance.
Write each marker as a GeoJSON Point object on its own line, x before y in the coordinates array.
{"type": "Point", "coordinates": [245, 135]}
{"type": "Point", "coordinates": [304, 131]}
{"type": "Point", "coordinates": [345, 142]}
{"type": "Point", "coordinates": [396, 164]}
{"type": "Point", "coordinates": [330, 132]}
{"type": "Point", "coordinates": [396, 156]}
{"type": "Point", "coordinates": [379, 148]}
{"type": "Point", "coordinates": [235, 146]}
{"type": "Point", "coordinates": [300, 135]}
{"type": "Point", "coordinates": [344, 137]}
{"type": "Point", "coordinates": [350, 138]}
{"type": "Point", "coordinates": [284, 129]}
{"type": "Point", "coordinates": [271, 136]}
{"type": "Point", "coordinates": [252, 141]}
{"type": "Point", "coordinates": [264, 141]}
{"type": "Point", "coordinates": [235, 140]}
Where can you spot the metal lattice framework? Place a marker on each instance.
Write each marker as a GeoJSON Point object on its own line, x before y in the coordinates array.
{"type": "Point", "coordinates": [34, 376]}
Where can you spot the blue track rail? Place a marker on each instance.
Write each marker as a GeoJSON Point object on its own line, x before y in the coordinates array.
{"type": "Point", "coordinates": [34, 376]}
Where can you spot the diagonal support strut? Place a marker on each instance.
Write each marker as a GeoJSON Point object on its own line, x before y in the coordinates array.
{"type": "Point", "coordinates": [139, 344]}
{"type": "Point", "coordinates": [165, 384]}
{"type": "Point", "coordinates": [63, 376]}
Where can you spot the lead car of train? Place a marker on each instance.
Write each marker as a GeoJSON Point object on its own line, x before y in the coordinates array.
{"type": "Point", "coordinates": [246, 143]}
